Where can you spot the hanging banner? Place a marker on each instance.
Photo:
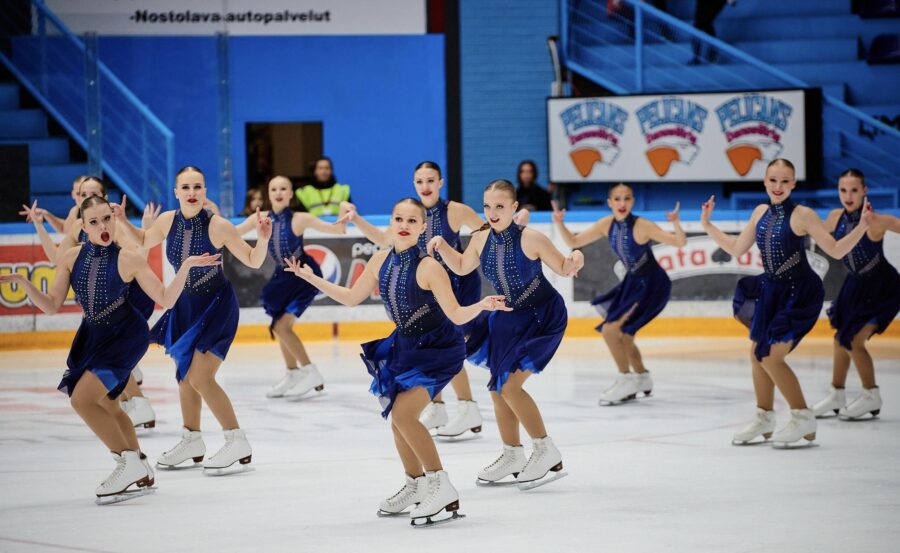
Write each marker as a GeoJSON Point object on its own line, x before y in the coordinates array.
{"type": "Point", "coordinates": [242, 17]}
{"type": "Point", "coordinates": [682, 137]}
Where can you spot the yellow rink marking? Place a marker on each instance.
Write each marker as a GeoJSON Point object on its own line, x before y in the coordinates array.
{"type": "Point", "coordinates": [663, 327]}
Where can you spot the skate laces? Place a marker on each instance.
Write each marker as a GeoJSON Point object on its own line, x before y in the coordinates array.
{"type": "Point", "coordinates": [179, 447]}
{"type": "Point", "coordinates": [505, 458]}
{"type": "Point", "coordinates": [405, 492]}
{"type": "Point", "coordinates": [434, 486]}
{"type": "Point", "coordinates": [120, 468]}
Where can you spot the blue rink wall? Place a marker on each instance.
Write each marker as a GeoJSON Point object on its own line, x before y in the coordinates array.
{"type": "Point", "coordinates": [381, 99]}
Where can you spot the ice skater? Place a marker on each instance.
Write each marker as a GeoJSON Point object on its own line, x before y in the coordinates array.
{"type": "Point", "coordinates": [198, 331]}
{"type": "Point", "coordinates": [135, 404]}
{"type": "Point", "coordinates": [783, 304]}
{"type": "Point", "coordinates": [866, 305]}
{"type": "Point", "coordinates": [443, 218]}
{"type": "Point", "coordinates": [284, 297]}
{"type": "Point", "coordinates": [516, 344]}
{"type": "Point", "coordinates": [414, 363]}
{"type": "Point", "coordinates": [640, 297]}
{"type": "Point", "coordinates": [111, 338]}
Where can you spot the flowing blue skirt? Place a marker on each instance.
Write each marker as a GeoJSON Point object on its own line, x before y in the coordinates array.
{"type": "Point", "coordinates": [522, 339]}
{"type": "Point", "coordinates": [287, 293]}
{"type": "Point", "coordinates": [870, 299]}
{"type": "Point", "coordinates": [778, 311]}
{"type": "Point", "coordinates": [199, 322]}
{"type": "Point", "coordinates": [108, 351]}
{"type": "Point", "coordinates": [399, 363]}
{"type": "Point", "coordinates": [647, 293]}
{"type": "Point", "coordinates": [140, 300]}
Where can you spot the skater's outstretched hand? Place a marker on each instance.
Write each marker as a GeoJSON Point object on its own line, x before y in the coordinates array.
{"type": "Point", "coordinates": [294, 265]}
{"type": "Point", "coordinates": [435, 244]}
{"type": "Point", "coordinates": [204, 260]}
{"type": "Point", "coordinates": [33, 214]}
{"type": "Point", "coordinates": [348, 215]}
{"type": "Point", "coordinates": [494, 303]}
{"type": "Point", "coordinates": [263, 227]}
{"type": "Point", "coordinates": [119, 209]}
{"type": "Point", "coordinates": [868, 214]}
{"type": "Point", "coordinates": [13, 278]}
{"type": "Point", "coordinates": [573, 263]}
{"type": "Point", "coordinates": [706, 210]}
{"type": "Point", "coordinates": [151, 214]}
{"type": "Point", "coordinates": [558, 214]}
{"type": "Point", "coordinates": [673, 216]}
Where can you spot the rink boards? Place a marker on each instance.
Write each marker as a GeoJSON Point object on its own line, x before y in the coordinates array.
{"type": "Point", "coordinates": [703, 280]}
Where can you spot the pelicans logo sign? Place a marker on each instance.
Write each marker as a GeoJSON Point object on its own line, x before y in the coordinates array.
{"type": "Point", "coordinates": [670, 126]}
{"type": "Point", "coordinates": [753, 125]}
{"type": "Point", "coordinates": [594, 129]}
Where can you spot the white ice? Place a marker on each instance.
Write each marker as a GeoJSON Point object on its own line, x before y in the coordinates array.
{"type": "Point", "coordinates": [656, 475]}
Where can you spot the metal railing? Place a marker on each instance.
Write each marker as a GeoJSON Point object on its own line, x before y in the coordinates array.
{"type": "Point", "coordinates": [121, 136]}
{"type": "Point", "coordinates": [638, 48]}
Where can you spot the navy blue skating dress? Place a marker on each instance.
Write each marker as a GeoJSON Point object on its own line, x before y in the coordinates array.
{"type": "Point", "coordinates": [870, 293]}
{"type": "Point", "coordinates": [526, 337]}
{"type": "Point", "coordinates": [646, 286]}
{"type": "Point", "coordinates": [136, 295]}
{"type": "Point", "coordinates": [285, 293]}
{"type": "Point", "coordinates": [205, 317]}
{"type": "Point", "coordinates": [426, 349]}
{"type": "Point", "coordinates": [783, 303]}
{"type": "Point", "coordinates": [466, 288]}
{"type": "Point", "coordinates": [113, 336]}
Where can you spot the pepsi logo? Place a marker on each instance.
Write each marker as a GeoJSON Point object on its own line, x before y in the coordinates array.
{"type": "Point", "coordinates": [328, 261]}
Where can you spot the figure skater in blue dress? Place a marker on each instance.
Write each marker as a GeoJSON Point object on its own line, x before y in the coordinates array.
{"type": "Point", "coordinates": [783, 304]}
{"type": "Point", "coordinates": [417, 360]}
{"type": "Point", "coordinates": [284, 297]}
{"type": "Point", "coordinates": [444, 218]}
{"type": "Point", "coordinates": [642, 294]}
{"type": "Point", "coordinates": [112, 336]}
{"type": "Point", "coordinates": [134, 403]}
{"type": "Point", "coordinates": [866, 305]}
{"type": "Point", "coordinates": [514, 345]}
{"type": "Point", "coordinates": [198, 331]}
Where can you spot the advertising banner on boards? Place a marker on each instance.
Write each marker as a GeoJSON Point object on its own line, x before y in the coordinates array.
{"type": "Point", "coordinates": [682, 137]}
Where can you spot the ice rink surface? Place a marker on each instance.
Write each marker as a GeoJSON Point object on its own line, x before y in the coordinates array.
{"type": "Point", "coordinates": [655, 475]}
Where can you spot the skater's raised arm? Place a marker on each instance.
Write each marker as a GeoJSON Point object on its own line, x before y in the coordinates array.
{"type": "Point", "coordinates": [249, 223]}
{"type": "Point", "coordinates": [536, 245]}
{"type": "Point", "coordinates": [806, 221]}
{"type": "Point", "coordinates": [133, 265]}
{"type": "Point", "coordinates": [595, 232]}
{"type": "Point", "coordinates": [58, 224]}
{"type": "Point", "coordinates": [734, 245]}
{"type": "Point", "coordinates": [144, 238]}
{"type": "Point", "coordinates": [432, 276]}
{"type": "Point", "coordinates": [378, 236]}
{"type": "Point", "coordinates": [221, 231]}
{"type": "Point", "coordinates": [51, 250]}
{"type": "Point", "coordinates": [50, 302]}
{"type": "Point", "coordinates": [645, 229]}
{"type": "Point", "coordinates": [303, 221]}
{"type": "Point", "coordinates": [361, 289]}
{"type": "Point", "coordinates": [460, 263]}
{"type": "Point", "coordinates": [151, 214]}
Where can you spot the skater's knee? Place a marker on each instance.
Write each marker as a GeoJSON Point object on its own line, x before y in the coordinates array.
{"type": "Point", "coordinates": [511, 390]}
{"type": "Point", "coordinates": [81, 402]}
{"type": "Point", "coordinates": [200, 382]}
{"type": "Point", "coordinates": [859, 341]}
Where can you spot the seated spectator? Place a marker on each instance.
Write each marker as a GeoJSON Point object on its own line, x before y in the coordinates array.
{"type": "Point", "coordinates": [529, 194]}
{"type": "Point", "coordinates": [324, 195]}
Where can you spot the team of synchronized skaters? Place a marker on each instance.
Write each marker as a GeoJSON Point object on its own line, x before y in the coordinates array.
{"type": "Point", "coordinates": [431, 291]}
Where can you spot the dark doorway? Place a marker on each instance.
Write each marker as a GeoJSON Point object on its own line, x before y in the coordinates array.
{"type": "Point", "coordinates": [287, 149]}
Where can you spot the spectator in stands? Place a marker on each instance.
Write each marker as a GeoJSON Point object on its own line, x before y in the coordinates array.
{"type": "Point", "coordinates": [325, 194]}
{"type": "Point", "coordinates": [253, 201]}
{"type": "Point", "coordinates": [705, 13]}
{"type": "Point", "coordinates": [529, 194]}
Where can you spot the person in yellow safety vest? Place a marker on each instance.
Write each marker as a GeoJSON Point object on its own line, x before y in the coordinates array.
{"type": "Point", "coordinates": [325, 195]}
